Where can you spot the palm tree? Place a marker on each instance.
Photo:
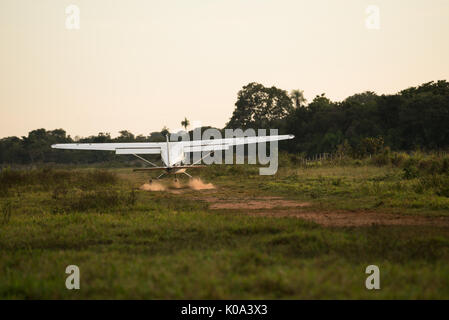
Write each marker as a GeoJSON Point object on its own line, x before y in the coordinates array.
{"type": "Point", "coordinates": [165, 131]}
{"type": "Point", "coordinates": [185, 123]}
{"type": "Point", "coordinates": [298, 98]}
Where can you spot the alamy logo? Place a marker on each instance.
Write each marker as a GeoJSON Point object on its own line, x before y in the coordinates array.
{"type": "Point", "coordinates": [256, 150]}
{"type": "Point", "coordinates": [73, 280]}
{"type": "Point", "coordinates": [72, 20]}
{"type": "Point", "coordinates": [372, 281]}
{"type": "Point", "coordinates": [372, 21]}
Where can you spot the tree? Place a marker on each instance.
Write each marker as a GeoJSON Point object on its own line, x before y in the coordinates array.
{"type": "Point", "coordinates": [156, 137]}
{"type": "Point", "coordinates": [298, 99]}
{"type": "Point", "coordinates": [36, 144]}
{"type": "Point", "coordinates": [106, 137]}
{"type": "Point", "coordinates": [315, 127]}
{"type": "Point", "coordinates": [165, 131]}
{"type": "Point", "coordinates": [185, 123]}
{"type": "Point", "coordinates": [125, 136]}
{"type": "Point", "coordinates": [260, 107]}
{"type": "Point", "coordinates": [141, 138]}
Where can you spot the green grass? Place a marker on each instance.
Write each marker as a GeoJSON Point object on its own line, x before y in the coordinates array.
{"type": "Point", "coordinates": [156, 245]}
{"type": "Point", "coordinates": [346, 187]}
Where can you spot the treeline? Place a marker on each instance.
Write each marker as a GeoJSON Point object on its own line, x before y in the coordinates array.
{"type": "Point", "coordinates": [362, 124]}
{"type": "Point", "coordinates": [36, 147]}
{"type": "Point", "coordinates": [415, 118]}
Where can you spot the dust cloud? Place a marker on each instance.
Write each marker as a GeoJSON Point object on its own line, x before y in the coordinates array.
{"type": "Point", "coordinates": [177, 184]}
{"type": "Point", "coordinates": [198, 184]}
{"type": "Point", "coordinates": [195, 184]}
{"type": "Point", "coordinates": [155, 186]}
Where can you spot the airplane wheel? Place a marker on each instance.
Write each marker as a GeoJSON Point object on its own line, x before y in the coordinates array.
{"type": "Point", "coordinates": [151, 181]}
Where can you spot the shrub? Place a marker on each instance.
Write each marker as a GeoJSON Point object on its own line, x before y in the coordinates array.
{"type": "Point", "coordinates": [397, 159]}
{"type": "Point", "coordinates": [99, 200]}
{"type": "Point", "coordinates": [358, 163]}
{"type": "Point", "coordinates": [6, 212]}
{"type": "Point", "coordinates": [438, 183]}
{"type": "Point", "coordinates": [382, 159]}
{"type": "Point", "coordinates": [47, 178]}
{"type": "Point", "coordinates": [410, 172]}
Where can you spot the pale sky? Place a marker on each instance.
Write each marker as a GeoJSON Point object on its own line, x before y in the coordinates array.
{"type": "Point", "coordinates": [142, 64]}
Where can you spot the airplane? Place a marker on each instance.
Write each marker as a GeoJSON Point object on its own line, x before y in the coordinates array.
{"type": "Point", "coordinates": [173, 153]}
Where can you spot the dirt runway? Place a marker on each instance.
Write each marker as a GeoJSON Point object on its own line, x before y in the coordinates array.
{"type": "Point", "coordinates": [277, 207]}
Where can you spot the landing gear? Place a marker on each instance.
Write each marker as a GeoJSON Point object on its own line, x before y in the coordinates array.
{"type": "Point", "coordinates": [151, 180]}
{"type": "Point", "coordinates": [188, 175]}
{"type": "Point", "coordinates": [160, 176]}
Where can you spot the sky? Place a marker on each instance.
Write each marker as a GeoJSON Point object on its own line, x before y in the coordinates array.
{"type": "Point", "coordinates": [140, 65]}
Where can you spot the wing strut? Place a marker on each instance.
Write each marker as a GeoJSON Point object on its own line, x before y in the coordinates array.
{"type": "Point", "coordinates": [188, 175]}
{"type": "Point", "coordinates": [207, 155]}
{"type": "Point", "coordinates": [168, 152]}
{"type": "Point", "coordinates": [160, 176]}
{"type": "Point", "coordinates": [145, 160]}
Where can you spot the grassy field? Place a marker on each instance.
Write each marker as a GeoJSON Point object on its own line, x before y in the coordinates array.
{"type": "Point", "coordinates": [245, 239]}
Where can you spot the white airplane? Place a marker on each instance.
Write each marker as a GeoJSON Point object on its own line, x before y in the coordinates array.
{"type": "Point", "coordinates": [173, 153]}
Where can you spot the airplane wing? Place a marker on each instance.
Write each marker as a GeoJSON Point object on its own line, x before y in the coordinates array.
{"type": "Point", "coordinates": [119, 148]}
{"type": "Point", "coordinates": [176, 148]}
{"type": "Point", "coordinates": [224, 144]}
{"type": "Point", "coordinates": [163, 168]}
